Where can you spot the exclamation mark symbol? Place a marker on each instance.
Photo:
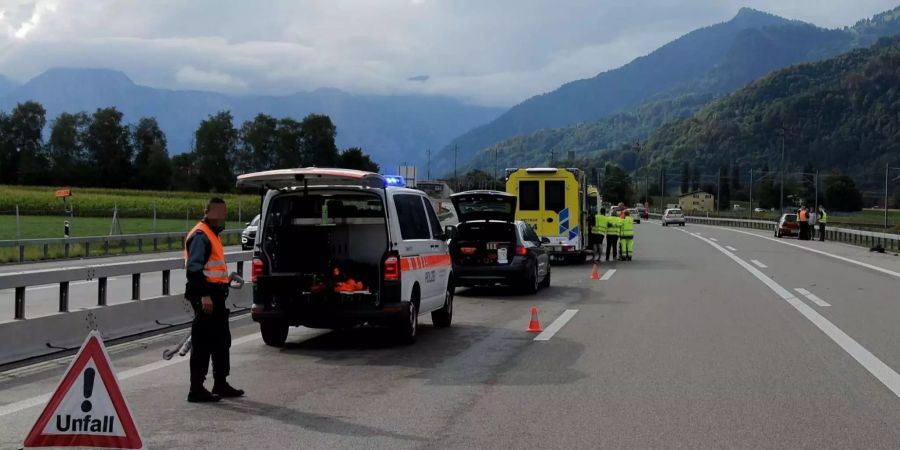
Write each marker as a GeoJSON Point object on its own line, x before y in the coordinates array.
{"type": "Point", "coordinates": [88, 389]}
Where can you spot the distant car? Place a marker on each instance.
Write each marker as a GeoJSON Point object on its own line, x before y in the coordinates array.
{"type": "Point", "coordinates": [673, 216]}
{"type": "Point", "coordinates": [759, 209]}
{"type": "Point", "coordinates": [787, 226]}
{"type": "Point", "coordinates": [248, 236]}
{"type": "Point", "coordinates": [490, 247]}
{"type": "Point", "coordinates": [643, 212]}
{"type": "Point", "coordinates": [634, 215]}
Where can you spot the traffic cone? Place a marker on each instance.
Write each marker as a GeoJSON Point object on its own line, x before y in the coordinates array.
{"type": "Point", "coordinates": [535, 325]}
{"type": "Point", "coordinates": [595, 275]}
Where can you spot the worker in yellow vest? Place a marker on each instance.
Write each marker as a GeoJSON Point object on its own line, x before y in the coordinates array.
{"type": "Point", "coordinates": [613, 226]}
{"type": "Point", "coordinates": [823, 219]}
{"type": "Point", "coordinates": [626, 239]}
{"type": "Point", "coordinates": [598, 232]}
{"type": "Point", "coordinates": [207, 290]}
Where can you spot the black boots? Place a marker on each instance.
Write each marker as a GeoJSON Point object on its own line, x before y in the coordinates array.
{"type": "Point", "coordinates": [201, 395]}
{"type": "Point", "coordinates": [225, 390]}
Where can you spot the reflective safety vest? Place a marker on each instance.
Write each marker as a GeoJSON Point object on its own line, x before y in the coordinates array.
{"type": "Point", "coordinates": [215, 269]}
{"type": "Point", "coordinates": [599, 224]}
{"type": "Point", "coordinates": [824, 218]}
{"type": "Point", "coordinates": [627, 226]}
{"type": "Point", "coordinates": [613, 225]}
{"type": "Point", "coordinates": [804, 216]}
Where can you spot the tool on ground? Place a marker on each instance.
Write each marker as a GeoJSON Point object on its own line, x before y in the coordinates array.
{"type": "Point", "coordinates": [535, 325]}
{"type": "Point", "coordinates": [183, 347]}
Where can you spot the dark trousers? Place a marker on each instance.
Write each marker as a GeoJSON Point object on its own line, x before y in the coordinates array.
{"type": "Point", "coordinates": [804, 230]}
{"type": "Point", "coordinates": [822, 231]}
{"type": "Point", "coordinates": [612, 244]}
{"type": "Point", "coordinates": [210, 339]}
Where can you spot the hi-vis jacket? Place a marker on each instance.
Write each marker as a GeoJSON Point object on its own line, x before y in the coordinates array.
{"type": "Point", "coordinates": [627, 227]}
{"type": "Point", "coordinates": [613, 226]}
{"type": "Point", "coordinates": [204, 261]}
{"type": "Point", "coordinates": [600, 223]}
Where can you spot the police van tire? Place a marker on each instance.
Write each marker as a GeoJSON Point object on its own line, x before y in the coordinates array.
{"type": "Point", "coordinates": [406, 330]}
{"type": "Point", "coordinates": [545, 283]}
{"type": "Point", "coordinates": [274, 333]}
{"type": "Point", "coordinates": [443, 317]}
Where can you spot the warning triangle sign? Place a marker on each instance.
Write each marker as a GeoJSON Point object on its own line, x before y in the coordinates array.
{"type": "Point", "coordinates": [88, 408]}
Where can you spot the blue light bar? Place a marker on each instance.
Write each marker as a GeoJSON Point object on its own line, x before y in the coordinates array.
{"type": "Point", "coordinates": [394, 180]}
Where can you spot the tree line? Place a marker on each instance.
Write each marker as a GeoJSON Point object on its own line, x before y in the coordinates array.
{"type": "Point", "coordinates": [102, 150]}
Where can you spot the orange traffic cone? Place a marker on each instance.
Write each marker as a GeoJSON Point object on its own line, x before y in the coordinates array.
{"type": "Point", "coordinates": [595, 275]}
{"type": "Point", "coordinates": [535, 325]}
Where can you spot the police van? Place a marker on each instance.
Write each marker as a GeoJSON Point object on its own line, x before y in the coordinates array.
{"type": "Point", "coordinates": [338, 248]}
{"type": "Point", "coordinates": [554, 202]}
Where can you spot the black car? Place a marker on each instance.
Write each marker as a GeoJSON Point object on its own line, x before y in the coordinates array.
{"type": "Point", "coordinates": [248, 236]}
{"type": "Point", "coordinates": [490, 247]}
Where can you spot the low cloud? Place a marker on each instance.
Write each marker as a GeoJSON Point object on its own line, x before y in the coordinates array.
{"type": "Point", "coordinates": [212, 79]}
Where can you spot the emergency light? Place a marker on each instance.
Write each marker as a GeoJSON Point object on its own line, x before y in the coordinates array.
{"type": "Point", "coordinates": [394, 180]}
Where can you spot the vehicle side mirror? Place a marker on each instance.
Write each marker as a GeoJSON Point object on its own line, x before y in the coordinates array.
{"type": "Point", "coordinates": [545, 241]}
{"type": "Point", "coordinates": [247, 224]}
{"type": "Point", "coordinates": [450, 232]}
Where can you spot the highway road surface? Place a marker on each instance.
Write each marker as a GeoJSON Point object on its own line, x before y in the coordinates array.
{"type": "Point", "coordinates": [710, 338]}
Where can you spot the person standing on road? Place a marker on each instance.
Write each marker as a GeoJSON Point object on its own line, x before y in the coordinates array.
{"type": "Point", "coordinates": [626, 240]}
{"type": "Point", "coordinates": [613, 225]}
{"type": "Point", "coordinates": [823, 219]}
{"type": "Point", "coordinates": [206, 290]}
{"type": "Point", "coordinates": [598, 231]}
{"type": "Point", "coordinates": [812, 224]}
{"type": "Point", "coordinates": [803, 218]}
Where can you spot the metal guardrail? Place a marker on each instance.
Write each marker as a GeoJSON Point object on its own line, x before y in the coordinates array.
{"type": "Point", "coordinates": [863, 238]}
{"type": "Point", "coordinates": [63, 276]}
{"type": "Point", "coordinates": [156, 241]}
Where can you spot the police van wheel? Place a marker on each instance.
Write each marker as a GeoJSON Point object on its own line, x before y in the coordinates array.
{"type": "Point", "coordinates": [444, 316]}
{"type": "Point", "coordinates": [273, 333]}
{"type": "Point", "coordinates": [406, 331]}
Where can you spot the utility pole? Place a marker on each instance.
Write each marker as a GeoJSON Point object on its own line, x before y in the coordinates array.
{"type": "Point", "coordinates": [751, 193]}
{"type": "Point", "coordinates": [887, 172]}
{"type": "Point", "coordinates": [781, 188]}
{"type": "Point", "coordinates": [551, 157]}
{"type": "Point", "coordinates": [816, 190]}
{"type": "Point", "coordinates": [718, 191]}
{"type": "Point", "coordinates": [428, 167]}
{"type": "Point", "coordinates": [495, 166]}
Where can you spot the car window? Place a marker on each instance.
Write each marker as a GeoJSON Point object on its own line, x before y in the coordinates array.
{"type": "Point", "coordinates": [436, 230]}
{"type": "Point", "coordinates": [555, 196]}
{"type": "Point", "coordinates": [529, 196]}
{"type": "Point", "coordinates": [411, 215]}
{"type": "Point", "coordinates": [531, 235]}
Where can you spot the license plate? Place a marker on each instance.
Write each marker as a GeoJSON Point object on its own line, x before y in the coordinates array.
{"type": "Point", "coordinates": [501, 256]}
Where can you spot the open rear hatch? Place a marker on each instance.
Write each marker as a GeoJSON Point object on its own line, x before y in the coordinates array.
{"type": "Point", "coordinates": [487, 234]}
{"type": "Point", "coordinates": [324, 244]}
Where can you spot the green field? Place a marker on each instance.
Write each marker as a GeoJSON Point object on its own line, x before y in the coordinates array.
{"type": "Point", "coordinates": [40, 227]}
{"type": "Point", "coordinates": [93, 202]}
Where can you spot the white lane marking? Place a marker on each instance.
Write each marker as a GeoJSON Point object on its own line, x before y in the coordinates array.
{"type": "Point", "coordinates": [557, 324]}
{"type": "Point", "coordinates": [759, 264]}
{"type": "Point", "coordinates": [124, 375]}
{"type": "Point", "coordinates": [609, 273]}
{"type": "Point", "coordinates": [714, 239]}
{"type": "Point", "coordinates": [884, 373]}
{"type": "Point", "coordinates": [731, 248]}
{"type": "Point", "coordinates": [812, 297]}
{"type": "Point", "coordinates": [851, 261]}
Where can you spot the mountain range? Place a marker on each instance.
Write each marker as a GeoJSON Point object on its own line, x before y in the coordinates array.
{"type": "Point", "coordinates": [392, 129]}
{"type": "Point", "coordinates": [731, 54]}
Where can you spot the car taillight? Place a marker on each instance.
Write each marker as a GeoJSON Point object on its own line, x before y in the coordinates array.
{"type": "Point", "coordinates": [467, 250]}
{"type": "Point", "coordinates": [567, 248]}
{"type": "Point", "coordinates": [259, 268]}
{"type": "Point", "coordinates": [392, 268]}
{"type": "Point", "coordinates": [521, 251]}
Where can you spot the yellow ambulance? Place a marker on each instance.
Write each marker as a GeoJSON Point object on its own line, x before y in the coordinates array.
{"type": "Point", "coordinates": [554, 202]}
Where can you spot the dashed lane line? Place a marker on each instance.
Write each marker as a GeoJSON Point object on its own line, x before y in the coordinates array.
{"type": "Point", "coordinates": [557, 325]}
{"type": "Point", "coordinates": [881, 371]}
{"type": "Point", "coordinates": [832, 255]}
{"type": "Point", "coordinates": [759, 264]}
{"type": "Point", "coordinates": [731, 248]}
{"type": "Point", "coordinates": [812, 297]}
{"type": "Point", "coordinates": [609, 273]}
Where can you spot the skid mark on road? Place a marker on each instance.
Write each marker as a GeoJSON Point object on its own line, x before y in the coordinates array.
{"type": "Point", "coordinates": [881, 371]}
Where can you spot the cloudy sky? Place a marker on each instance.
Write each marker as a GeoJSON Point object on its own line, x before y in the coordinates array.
{"type": "Point", "coordinates": [491, 52]}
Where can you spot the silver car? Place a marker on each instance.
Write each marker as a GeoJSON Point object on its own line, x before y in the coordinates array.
{"type": "Point", "coordinates": [673, 216]}
{"type": "Point", "coordinates": [248, 236]}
